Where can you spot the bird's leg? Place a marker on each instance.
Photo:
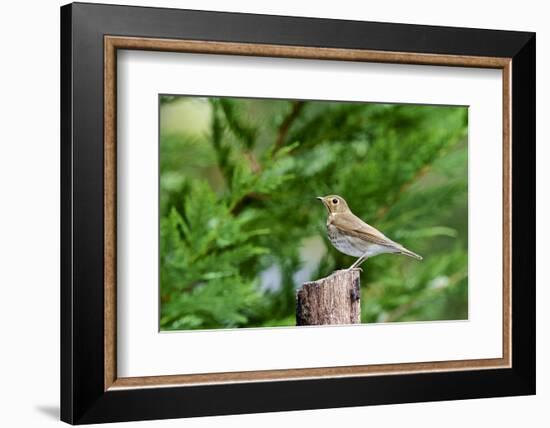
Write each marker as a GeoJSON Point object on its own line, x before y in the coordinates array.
{"type": "Point", "coordinates": [358, 262]}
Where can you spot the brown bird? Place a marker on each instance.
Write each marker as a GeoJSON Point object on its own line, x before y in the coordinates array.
{"type": "Point", "coordinates": [352, 236]}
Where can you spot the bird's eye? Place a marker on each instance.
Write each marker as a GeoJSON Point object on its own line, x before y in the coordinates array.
{"type": "Point", "coordinates": [335, 201]}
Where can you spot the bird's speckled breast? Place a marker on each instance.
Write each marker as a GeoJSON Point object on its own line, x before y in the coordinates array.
{"type": "Point", "coordinates": [346, 244]}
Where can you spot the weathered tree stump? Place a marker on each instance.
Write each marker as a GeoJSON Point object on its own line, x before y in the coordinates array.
{"type": "Point", "coordinates": [331, 300]}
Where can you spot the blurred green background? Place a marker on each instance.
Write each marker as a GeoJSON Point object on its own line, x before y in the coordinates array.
{"type": "Point", "coordinates": [241, 230]}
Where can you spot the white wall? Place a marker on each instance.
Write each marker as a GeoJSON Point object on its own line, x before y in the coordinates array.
{"type": "Point", "coordinates": [29, 213]}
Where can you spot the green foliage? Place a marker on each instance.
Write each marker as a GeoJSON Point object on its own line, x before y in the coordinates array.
{"type": "Point", "coordinates": [240, 227]}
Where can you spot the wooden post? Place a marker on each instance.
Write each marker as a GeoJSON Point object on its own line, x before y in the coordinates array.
{"type": "Point", "coordinates": [331, 300]}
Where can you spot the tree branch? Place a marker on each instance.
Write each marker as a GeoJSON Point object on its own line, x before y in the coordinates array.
{"type": "Point", "coordinates": [412, 304]}
{"type": "Point", "coordinates": [297, 107]}
{"type": "Point", "coordinates": [406, 186]}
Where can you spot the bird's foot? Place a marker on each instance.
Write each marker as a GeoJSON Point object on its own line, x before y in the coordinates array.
{"type": "Point", "coordinates": [354, 268]}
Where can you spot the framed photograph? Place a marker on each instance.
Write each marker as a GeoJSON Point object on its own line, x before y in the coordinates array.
{"type": "Point", "coordinates": [266, 213]}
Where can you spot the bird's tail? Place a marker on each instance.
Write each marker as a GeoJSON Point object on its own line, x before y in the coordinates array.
{"type": "Point", "coordinates": [409, 253]}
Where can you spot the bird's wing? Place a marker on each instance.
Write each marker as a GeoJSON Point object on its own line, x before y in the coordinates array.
{"type": "Point", "coordinates": [352, 225]}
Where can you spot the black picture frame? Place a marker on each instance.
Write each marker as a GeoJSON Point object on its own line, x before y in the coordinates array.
{"type": "Point", "coordinates": [83, 398]}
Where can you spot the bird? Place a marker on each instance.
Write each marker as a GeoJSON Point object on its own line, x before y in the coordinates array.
{"type": "Point", "coordinates": [353, 237]}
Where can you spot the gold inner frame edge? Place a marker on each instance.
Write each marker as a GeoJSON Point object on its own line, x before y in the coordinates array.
{"type": "Point", "coordinates": [113, 43]}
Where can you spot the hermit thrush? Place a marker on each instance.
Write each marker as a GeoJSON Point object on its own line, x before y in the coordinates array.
{"type": "Point", "coordinates": [352, 236]}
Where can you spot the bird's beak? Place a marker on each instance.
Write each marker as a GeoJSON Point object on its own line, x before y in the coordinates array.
{"type": "Point", "coordinates": [324, 202]}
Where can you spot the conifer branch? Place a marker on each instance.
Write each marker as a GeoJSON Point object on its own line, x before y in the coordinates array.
{"type": "Point", "coordinates": [297, 107]}
{"type": "Point", "coordinates": [413, 303]}
{"type": "Point", "coordinates": [420, 173]}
